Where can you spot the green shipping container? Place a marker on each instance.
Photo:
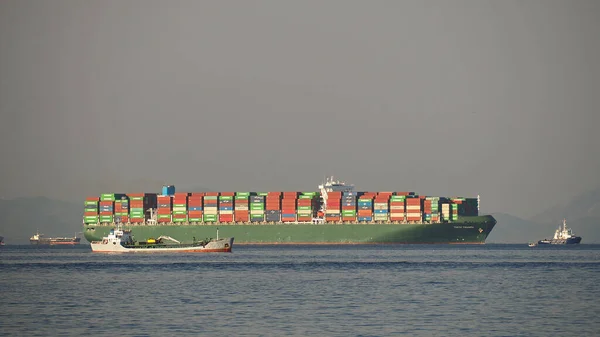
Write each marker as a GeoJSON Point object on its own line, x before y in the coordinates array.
{"type": "Point", "coordinates": [195, 219]}
{"type": "Point", "coordinates": [225, 197]}
{"type": "Point", "coordinates": [210, 197]}
{"type": "Point", "coordinates": [262, 194]}
{"type": "Point", "coordinates": [91, 203]}
{"type": "Point", "coordinates": [163, 216]}
{"type": "Point", "coordinates": [257, 207]}
{"type": "Point", "coordinates": [241, 197]}
{"type": "Point", "coordinates": [242, 194]}
{"type": "Point", "coordinates": [210, 218]}
{"type": "Point", "coordinates": [304, 208]}
{"type": "Point", "coordinates": [179, 212]}
{"type": "Point", "coordinates": [180, 220]}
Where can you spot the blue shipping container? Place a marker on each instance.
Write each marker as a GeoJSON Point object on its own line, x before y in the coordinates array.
{"type": "Point", "coordinates": [168, 190]}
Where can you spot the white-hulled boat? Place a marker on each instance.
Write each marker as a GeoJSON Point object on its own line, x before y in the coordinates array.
{"type": "Point", "coordinates": [121, 241]}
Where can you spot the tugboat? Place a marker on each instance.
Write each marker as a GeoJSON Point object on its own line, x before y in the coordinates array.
{"type": "Point", "coordinates": [121, 241]}
{"type": "Point", "coordinates": [562, 236]}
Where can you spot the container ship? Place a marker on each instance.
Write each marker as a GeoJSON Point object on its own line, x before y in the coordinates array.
{"type": "Point", "coordinates": [39, 239]}
{"type": "Point", "coordinates": [336, 214]}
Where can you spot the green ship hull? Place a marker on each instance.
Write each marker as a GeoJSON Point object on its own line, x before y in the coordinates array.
{"type": "Point", "coordinates": [467, 230]}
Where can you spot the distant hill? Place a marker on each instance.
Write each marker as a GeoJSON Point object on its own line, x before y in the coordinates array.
{"type": "Point", "coordinates": [20, 218]}
{"type": "Point", "coordinates": [585, 205]}
{"type": "Point", "coordinates": [512, 229]}
{"type": "Point", "coordinates": [582, 214]}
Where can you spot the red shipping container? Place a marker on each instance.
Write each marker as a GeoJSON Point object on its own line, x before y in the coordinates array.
{"type": "Point", "coordinates": [211, 194]}
{"type": "Point", "coordinates": [92, 199]}
{"type": "Point", "coordinates": [163, 211]}
{"type": "Point", "coordinates": [164, 220]}
{"type": "Point", "coordinates": [228, 194]}
{"type": "Point", "coordinates": [226, 217]}
{"type": "Point", "coordinates": [198, 194]}
{"type": "Point", "coordinates": [180, 194]}
{"type": "Point", "coordinates": [90, 213]}
{"type": "Point", "coordinates": [136, 220]}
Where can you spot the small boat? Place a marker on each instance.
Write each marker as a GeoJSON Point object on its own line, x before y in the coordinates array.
{"type": "Point", "coordinates": [533, 244]}
{"type": "Point", "coordinates": [562, 236]}
{"type": "Point", "coordinates": [39, 239]}
{"type": "Point", "coordinates": [121, 241]}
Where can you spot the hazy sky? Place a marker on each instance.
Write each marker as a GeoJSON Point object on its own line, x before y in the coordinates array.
{"type": "Point", "coordinates": [497, 98]}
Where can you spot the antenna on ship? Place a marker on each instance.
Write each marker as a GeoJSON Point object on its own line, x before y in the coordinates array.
{"type": "Point", "coordinates": [478, 200]}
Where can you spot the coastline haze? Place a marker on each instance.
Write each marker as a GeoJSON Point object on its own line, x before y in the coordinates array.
{"type": "Point", "coordinates": [499, 99]}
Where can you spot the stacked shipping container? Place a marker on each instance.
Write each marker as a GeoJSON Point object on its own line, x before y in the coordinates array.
{"type": "Point", "coordinates": [413, 208]}
{"type": "Point", "coordinates": [397, 212]}
{"type": "Point", "coordinates": [210, 207]}
{"type": "Point", "coordinates": [381, 206]}
{"type": "Point", "coordinates": [288, 206]}
{"type": "Point", "coordinates": [194, 202]}
{"type": "Point", "coordinates": [349, 206]}
{"type": "Point", "coordinates": [365, 207]}
{"type": "Point", "coordinates": [275, 207]}
{"type": "Point", "coordinates": [180, 207]}
{"type": "Point", "coordinates": [122, 210]}
{"type": "Point", "coordinates": [334, 204]}
{"type": "Point", "coordinates": [164, 207]}
{"type": "Point", "coordinates": [306, 206]}
{"type": "Point", "coordinates": [90, 212]}
{"type": "Point", "coordinates": [257, 208]}
{"type": "Point", "coordinates": [226, 207]}
{"type": "Point", "coordinates": [241, 207]}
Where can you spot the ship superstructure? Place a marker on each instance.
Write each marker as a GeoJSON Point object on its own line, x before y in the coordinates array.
{"type": "Point", "coordinates": [562, 236]}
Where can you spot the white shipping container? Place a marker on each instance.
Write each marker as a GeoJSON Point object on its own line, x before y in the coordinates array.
{"type": "Point", "coordinates": [397, 208]}
{"type": "Point", "coordinates": [226, 212]}
{"type": "Point", "coordinates": [210, 211]}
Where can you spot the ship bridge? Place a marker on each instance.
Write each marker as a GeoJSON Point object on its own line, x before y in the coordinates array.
{"type": "Point", "coordinates": [332, 185]}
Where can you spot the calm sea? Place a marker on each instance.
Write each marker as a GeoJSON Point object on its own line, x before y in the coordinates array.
{"type": "Point", "coordinates": [412, 290]}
